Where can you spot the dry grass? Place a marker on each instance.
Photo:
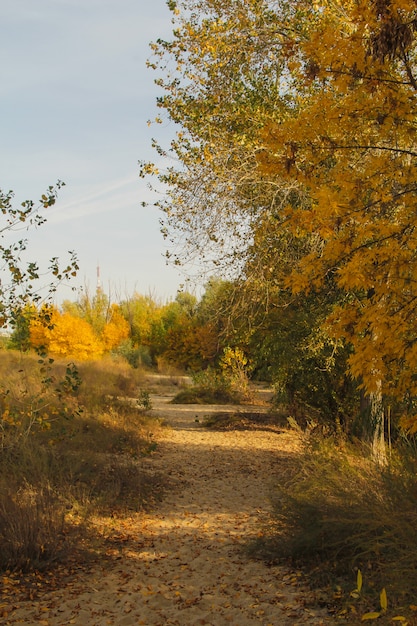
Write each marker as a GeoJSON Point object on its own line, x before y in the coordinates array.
{"type": "Point", "coordinates": [67, 452]}
{"type": "Point", "coordinates": [336, 512]}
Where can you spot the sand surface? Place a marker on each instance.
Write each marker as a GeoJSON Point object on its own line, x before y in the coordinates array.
{"type": "Point", "coordinates": [184, 562]}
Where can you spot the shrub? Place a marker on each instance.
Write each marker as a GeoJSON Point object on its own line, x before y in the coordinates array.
{"type": "Point", "coordinates": [31, 525]}
{"type": "Point", "coordinates": [136, 356]}
{"type": "Point", "coordinates": [209, 387]}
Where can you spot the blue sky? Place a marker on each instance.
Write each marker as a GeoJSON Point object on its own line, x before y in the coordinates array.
{"type": "Point", "coordinates": [75, 99]}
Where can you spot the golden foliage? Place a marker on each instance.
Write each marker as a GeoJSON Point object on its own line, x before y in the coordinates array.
{"type": "Point", "coordinates": [65, 336]}
{"type": "Point", "coordinates": [302, 115]}
{"type": "Point", "coordinates": [116, 330]}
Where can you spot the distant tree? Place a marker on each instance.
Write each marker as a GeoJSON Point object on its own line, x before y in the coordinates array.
{"type": "Point", "coordinates": [141, 312]}
{"type": "Point", "coordinates": [20, 336]}
{"type": "Point", "coordinates": [116, 329]}
{"type": "Point", "coordinates": [64, 336]}
{"type": "Point", "coordinates": [94, 309]}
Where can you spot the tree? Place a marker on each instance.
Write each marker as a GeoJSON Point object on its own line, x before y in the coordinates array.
{"type": "Point", "coordinates": [64, 336]}
{"type": "Point", "coordinates": [141, 312]}
{"type": "Point", "coordinates": [351, 144]}
{"type": "Point", "coordinates": [222, 91]}
{"type": "Point", "coordinates": [116, 329]}
{"type": "Point", "coordinates": [302, 115]}
{"type": "Point", "coordinates": [20, 283]}
{"type": "Point", "coordinates": [94, 309]}
{"type": "Point", "coordinates": [106, 320]}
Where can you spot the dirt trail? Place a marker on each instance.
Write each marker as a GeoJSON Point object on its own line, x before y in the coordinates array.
{"type": "Point", "coordinates": [183, 564]}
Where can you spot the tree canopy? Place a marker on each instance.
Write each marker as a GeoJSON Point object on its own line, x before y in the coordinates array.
{"type": "Point", "coordinates": [296, 132]}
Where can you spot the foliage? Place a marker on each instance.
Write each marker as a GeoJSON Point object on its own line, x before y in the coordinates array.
{"type": "Point", "coordinates": [144, 400]}
{"type": "Point", "coordinates": [211, 386]}
{"type": "Point", "coordinates": [136, 356]}
{"type": "Point", "coordinates": [20, 337]}
{"type": "Point", "coordinates": [235, 366]}
{"type": "Point", "coordinates": [18, 285]}
{"type": "Point", "coordinates": [300, 116]}
{"type": "Point", "coordinates": [94, 309]}
{"type": "Point", "coordinates": [106, 321]}
{"type": "Point", "coordinates": [64, 336]}
{"type": "Point", "coordinates": [142, 313]}
{"type": "Point", "coordinates": [116, 330]}
{"type": "Point", "coordinates": [364, 221]}
{"type": "Point", "coordinates": [191, 346]}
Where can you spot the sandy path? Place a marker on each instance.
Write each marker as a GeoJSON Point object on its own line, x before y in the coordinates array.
{"type": "Point", "coordinates": [184, 564]}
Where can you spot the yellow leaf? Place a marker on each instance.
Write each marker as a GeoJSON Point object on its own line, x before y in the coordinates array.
{"type": "Point", "coordinates": [374, 615]}
{"type": "Point", "coordinates": [383, 600]}
{"type": "Point", "coordinates": [359, 581]}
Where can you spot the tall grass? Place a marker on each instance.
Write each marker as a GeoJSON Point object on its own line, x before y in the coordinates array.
{"type": "Point", "coordinates": [337, 511]}
{"type": "Point", "coordinates": [69, 449]}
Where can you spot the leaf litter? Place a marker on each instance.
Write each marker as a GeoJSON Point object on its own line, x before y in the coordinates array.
{"type": "Point", "coordinates": [184, 562]}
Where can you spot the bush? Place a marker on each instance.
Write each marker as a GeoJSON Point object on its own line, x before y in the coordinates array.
{"type": "Point", "coordinates": [31, 526]}
{"type": "Point", "coordinates": [136, 356]}
{"type": "Point", "coordinates": [209, 387]}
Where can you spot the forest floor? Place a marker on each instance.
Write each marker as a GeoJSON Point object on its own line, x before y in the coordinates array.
{"type": "Point", "coordinates": [184, 562]}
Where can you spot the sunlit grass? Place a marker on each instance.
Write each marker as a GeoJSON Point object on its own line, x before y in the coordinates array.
{"type": "Point", "coordinates": [335, 511]}
{"type": "Point", "coordinates": [69, 450]}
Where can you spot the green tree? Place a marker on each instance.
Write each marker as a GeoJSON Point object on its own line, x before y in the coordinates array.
{"type": "Point", "coordinates": [94, 309]}
{"type": "Point", "coordinates": [23, 283]}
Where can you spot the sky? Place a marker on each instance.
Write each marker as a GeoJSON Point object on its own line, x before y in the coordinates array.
{"type": "Point", "coordinates": [75, 99]}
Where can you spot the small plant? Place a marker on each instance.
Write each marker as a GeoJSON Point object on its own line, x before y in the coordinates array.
{"type": "Point", "coordinates": [210, 386]}
{"type": "Point", "coordinates": [383, 601]}
{"type": "Point", "coordinates": [144, 401]}
{"type": "Point", "coordinates": [235, 366]}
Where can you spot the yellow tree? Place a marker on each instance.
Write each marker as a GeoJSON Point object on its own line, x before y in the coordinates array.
{"type": "Point", "coordinates": [65, 336]}
{"type": "Point", "coordinates": [302, 115]}
{"type": "Point", "coordinates": [351, 144]}
{"type": "Point", "coordinates": [115, 330]}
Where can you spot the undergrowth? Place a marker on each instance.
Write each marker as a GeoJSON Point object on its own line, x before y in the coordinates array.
{"type": "Point", "coordinates": [336, 512]}
{"type": "Point", "coordinates": [68, 452]}
{"type": "Point", "coordinates": [213, 387]}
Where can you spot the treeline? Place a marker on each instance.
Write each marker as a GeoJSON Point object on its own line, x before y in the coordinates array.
{"type": "Point", "coordinates": [281, 341]}
{"type": "Point", "coordinates": [182, 333]}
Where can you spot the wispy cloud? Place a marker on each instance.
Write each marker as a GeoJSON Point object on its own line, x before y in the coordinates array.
{"type": "Point", "coordinates": [116, 195]}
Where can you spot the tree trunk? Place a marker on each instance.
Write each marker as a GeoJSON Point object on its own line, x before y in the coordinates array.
{"type": "Point", "coordinates": [377, 418]}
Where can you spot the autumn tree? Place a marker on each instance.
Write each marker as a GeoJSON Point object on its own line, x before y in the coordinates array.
{"type": "Point", "coordinates": [115, 330]}
{"type": "Point", "coordinates": [301, 114]}
{"type": "Point", "coordinates": [93, 308]}
{"type": "Point", "coordinates": [64, 335]}
{"type": "Point", "coordinates": [141, 312]}
{"type": "Point", "coordinates": [350, 143]}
